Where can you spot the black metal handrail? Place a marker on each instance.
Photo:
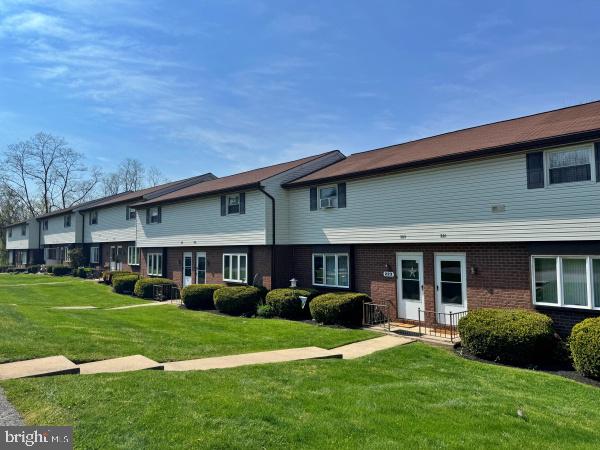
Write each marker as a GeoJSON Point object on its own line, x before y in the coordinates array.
{"type": "Point", "coordinates": [377, 314]}
{"type": "Point", "coordinates": [439, 324]}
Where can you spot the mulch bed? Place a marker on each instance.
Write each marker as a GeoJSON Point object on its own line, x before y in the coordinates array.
{"type": "Point", "coordinates": [565, 370]}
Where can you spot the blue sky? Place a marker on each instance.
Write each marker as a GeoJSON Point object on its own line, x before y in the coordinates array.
{"type": "Point", "coordinates": [228, 85]}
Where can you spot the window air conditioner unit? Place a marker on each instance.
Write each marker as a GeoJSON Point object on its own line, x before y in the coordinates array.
{"type": "Point", "coordinates": [327, 203]}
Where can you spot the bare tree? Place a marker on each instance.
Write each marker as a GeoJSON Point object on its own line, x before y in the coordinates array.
{"type": "Point", "coordinates": [155, 177]}
{"type": "Point", "coordinates": [44, 173]}
{"type": "Point", "coordinates": [111, 184]}
{"type": "Point", "coordinates": [131, 172]}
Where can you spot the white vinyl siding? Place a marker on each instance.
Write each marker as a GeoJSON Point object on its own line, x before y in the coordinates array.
{"type": "Point", "coordinates": [155, 264]}
{"type": "Point", "coordinates": [235, 267]}
{"type": "Point", "coordinates": [566, 281]}
{"type": "Point", "coordinates": [114, 226]}
{"type": "Point", "coordinates": [19, 242]}
{"type": "Point", "coordinates": [198, 222]}
{"type": "Point", "coordinates": [451, 203]}
{"type": "Point", "coordinates": [58, 234]}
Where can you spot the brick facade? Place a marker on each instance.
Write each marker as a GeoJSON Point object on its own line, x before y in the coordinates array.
{"type": "Point", "coordinates": [105, 255]}
{"type": "Point", "coordinates": [259, 268]}
{"type": "Point", "coordinates": [498, 275]}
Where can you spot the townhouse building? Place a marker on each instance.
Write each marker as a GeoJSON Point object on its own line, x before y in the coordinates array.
{"type": "Point", "coordinates": [22, 243]}
{"type": "Point", "coordinates": [224, 230]}
{"type": "Point", "coordinates": [500, 215]}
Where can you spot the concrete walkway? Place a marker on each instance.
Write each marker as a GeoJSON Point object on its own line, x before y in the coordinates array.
{"type": "Point", "coordinates": [57, 365]}
{"type": "Point", "coordinates": [74, 307]}
{"type": "Point", "coordinates": [275, 356]}
{"type": "Point", "coordinates": [53, 365]}
{"type": "Point", "coordinates": [125, 364]}
{"type": "Point", "coordinates": [143, 305]}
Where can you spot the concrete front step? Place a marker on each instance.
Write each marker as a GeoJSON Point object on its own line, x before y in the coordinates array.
{"type": "Point", "coordinates": [275, 356]}
{"type": "Point", "coordinates": [364, 348]}
{"type": "Point", "coordinates": [41, 367]}
{"type": "Point", "coordinates": [125, 364]}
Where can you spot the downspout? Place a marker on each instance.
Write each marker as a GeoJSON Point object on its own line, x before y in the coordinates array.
{"type": "Point", "coordinates": [262, 189]}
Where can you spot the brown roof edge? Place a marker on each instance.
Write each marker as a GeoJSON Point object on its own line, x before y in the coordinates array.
{"type": "Point", "coordinates": [490, 151]}
{"type": "Point", "coordinates": [202, 194]}
{"type": "Point", "coordinates": [320, 168]}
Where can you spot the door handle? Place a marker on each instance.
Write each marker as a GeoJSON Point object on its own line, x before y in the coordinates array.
{"type": "Point", "coordinates": [437, 287]}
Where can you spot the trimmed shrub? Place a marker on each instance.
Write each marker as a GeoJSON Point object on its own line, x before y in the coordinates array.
{"type": "Point", "coordinates": [238, 300]}
{"type": "Point", "coordinates": [339, 308]}
{"type": "Point", "coordinates": [265, 311]}
{"type": "Point", "coordinates": [34, 268]}
{"type": "Point", "coordinates": [77, 258]}
{"type": "Point", "coordinates": [60, 271]}
{"type": "Point", "coordinates": [124, 284]}
{"type": "Point", "coordinates": [511, 336]}
{"type": "Point", "coordinates": [144, 286]}
{"type": "Point", "coordinates": [199, 296]}
{"type": "Point", "coordinates": [108, 275]}
{"type": "Point", "coordinates": [286, 303]}
{"type": "Point", "coordinates": [49, 269]}
{"type": "Point", "coordinates": [584, 343]}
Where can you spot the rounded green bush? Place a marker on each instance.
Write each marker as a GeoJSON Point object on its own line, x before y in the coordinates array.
{"type": "Point", "coordinates": [285, 303]}
{"type": "Point", "coordinates": [34, 268]}
{"type": "Point", "coordinates": [144, 286]}
{"type": "Point", "coordinates": [584, 344]}
{"type": "Point", "coordinates": [265, 311]}
{"type": "Point", "coordinates": [512, 336]}
{"type": "Point", "coordinates": [199, 296]}
{"type": "Point", "coordinates": [237, 301]}
{"type": "Point", "coordinates": [339, 308]}
{"type": "Point", "coordinates": [49, 269]}
{"type": "Point", "coordinates": [124, 284]}
{"type": "Point", "coordinates": [60, 271]}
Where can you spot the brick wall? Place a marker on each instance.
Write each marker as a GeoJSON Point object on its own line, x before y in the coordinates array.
{"type": "Point", "coordinates": [564, 319]}
{"type": "Point", "coordinates": [260, 263]}
{"type": "Point", "coordinates": [105, 255]}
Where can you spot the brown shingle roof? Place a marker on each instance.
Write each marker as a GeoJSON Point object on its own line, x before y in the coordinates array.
{"type": "Point", "coordinates": [507, 135]}
{"type": "Point", "coordinates": [244, 180]}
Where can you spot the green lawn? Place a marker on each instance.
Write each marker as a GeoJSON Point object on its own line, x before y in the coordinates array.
{"type": "Point", "coordinates": [30, 328]}
{"type": "Point", "coordinates": [413, 396]}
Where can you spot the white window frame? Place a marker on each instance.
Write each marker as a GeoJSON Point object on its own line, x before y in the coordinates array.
{"type": "Point", "coordinates": [239, 266]}
{"type": "Point", "coordinates": [94, 255]}
{"type": "Point", "coordinates": [559, 279]}
{"type": "Point", "coordinates": [67, 255]}
{"type": "Point", "coordinates": [134, 251]}
{"type": "Point", "coordinates": [337, 273]}
{"type": "Point", "coordinates": [131, 213]}
{"type": "Point", "coordinates": [11, 257]}
{"type": "Point", "coordinates": [588, 147]}
{"type": "Point", "coordinates": [239, 204]}
{"type": "Point", "coordinates": [94, 217]}
{"type": "Point", "coordinates": [24, 257]}
{"type": "Point", "coordinates": [198, 256]}
{"type": "Point", "coordinates": [154, 263]}
{"type": "Point", "coordinates": [335, 199]}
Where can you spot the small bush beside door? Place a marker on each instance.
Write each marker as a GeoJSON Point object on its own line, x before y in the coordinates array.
{"type": "Point", "coordinates": [285, 303]}
{"type": "Point", "coordinates": [199, 296]}
{"type": "Point", "coordinates": [339, 308]}
{"type": "Point", "coordinates": [584, 343]}
{"type": "Point", "coordinates": [144, 287]}
{"type": "Point", "coordinates": [237, 301]}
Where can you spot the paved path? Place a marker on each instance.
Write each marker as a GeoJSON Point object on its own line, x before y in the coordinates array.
{"type": "Point", "coordinates": [8, 414]}
{"type": "Point", "coordinates": [35, 284]}
{"type": "Point", "coordinates": [140, 306]}
{"type": "Point", "coordinates": [74, 307]}
{"type": "Point", "coordinates": [57, 365]}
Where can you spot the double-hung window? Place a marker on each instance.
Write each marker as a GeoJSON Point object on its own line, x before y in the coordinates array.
{"type": "Point", "coordinates": [45, 225]}
{"type": "Point", "coordinates": [133, 256]}
{"type": "Point", "coordinates": [155, 264]}
{"type": "Point", "coordinates": [67, 254]}
{"type": "Point", "coordinates": [570, 165]}
{"type": "Point", "coordinates": [23, 230]}
{"type": "Point", "coordinates": [235, 267]}
{"type": "Point", "coordinates": [67, 221]}
{"type": "Point", "coordinates": [331, 269]}
{"type": "Point", "coordinates": [94, 217]}
{"type": "Point", "coordinates": [233, 204]}
{"type": "Point", "coordinates": [94, 255]}
{"type": "Point", "coordinates": [566, 281]}
{"type": "Point", "coordinates": [154, 215]}
{"type": "Point", "coordinates": [10, 232]}
{"type": "Point", "coordinates": [130, 214]}
{"type": "Point", "coordinates": [328, 197]}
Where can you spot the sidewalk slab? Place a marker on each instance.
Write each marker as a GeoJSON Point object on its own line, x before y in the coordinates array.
{"type": "Point", "coordinates": [125, 364]}
{"type": "Point", "coordinates": [74, 307]}
{"type": "Point", "coordinates": [143, 305]}
{"type": "Point", "coordinates": [53, 365]}
{"type": "Point", "coordinates": [275, 356]}
{"type": "Point", "coordinates": [364, 348]}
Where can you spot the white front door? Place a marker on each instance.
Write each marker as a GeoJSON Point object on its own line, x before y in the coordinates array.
{"type": "Point", "coordinates": [201, 268]}
{"type": "Point", "coordinates": [450, 284]}
{"type": "Point", "coordinates": [187, 269]}
{"type": "Point", "coordinates": [113, 258]}
{"type": "Point", "coordinates": [119, 261]}
{"type": "Point", "coordinates": [409, 271]}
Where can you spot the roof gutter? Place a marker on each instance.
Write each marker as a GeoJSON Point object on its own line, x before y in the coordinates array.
{"type": "Point", "coordinates": [464, 156]}
{"type": "Point", "coordinates": [269, 196]}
